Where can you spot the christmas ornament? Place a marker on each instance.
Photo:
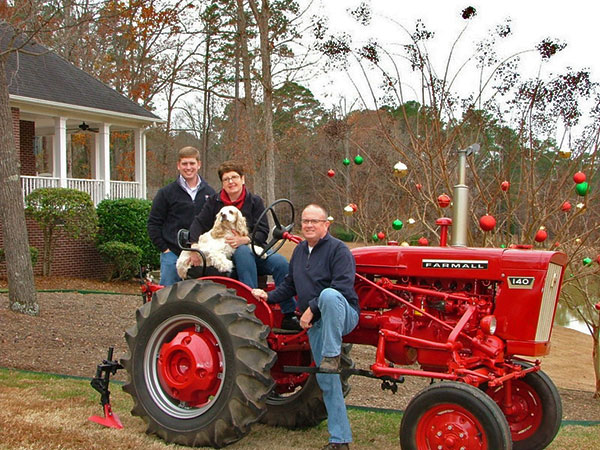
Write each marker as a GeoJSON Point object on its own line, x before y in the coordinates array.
{"type": "Point", "coordinates": [353, 206]}
{"type": "Point", "coordinates": [331, 173]}
{"type": "Point", "coordinates": [397, 224]}
{"type": "Point", "coordinates": [566, 206]}
{"type": "Point", "coordinates": [579, 177]}
{"type": "Point", "coordinates": [330, 219]}
{"type": "Point", "coordinates": [443, 200]}
{"type": "Point", "coordinates": [564, 154]}
{"type": "Point", "coordinates": [578, 241]}
{"type": "Point", "coordinates": [505, 185]}
{"type": "Point", "coordinates": [487, 222]}
{"type": "Point", "coordinates": [598, 259]}
{"type": "Point", "coordinates": [381, 235]}
{"type": "Point", "coordinates": [557, 244]}
{"type": "Point", "coordinates": [358, 160]}
{"type": "Point", "coordinates": [400, 169]}
{"type": "Point", "coordinates": [541, 235]}
{"type": "Point", "coordinates": [580, 205]}
{"type": "Point", "coordinates": [348, 211]}
{"type": "Point", "coordinates": [582, 188]}
{"type": "Point", "coordinates": [502, 246]}
{"type": "Point", "coordinates": [419, 186]}
{"type": "Point", "coordinates": [346, 162]}
{"type": "Point", "coordinates": [404, 244]}
{"type": "Point", "coordinates": [423, 241]}
{"type": "Point", "coordinates": [587, 261]}
{"type": "Point", "coordinates": [411, 221]}
{"type": "Point", "coordinates": [375, 237]}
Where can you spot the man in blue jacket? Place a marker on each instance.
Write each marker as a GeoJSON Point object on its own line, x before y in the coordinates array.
{"type": "Point", "coordinates": [174, 207]}
{"type": "Point", "coordinates": [322, 271]}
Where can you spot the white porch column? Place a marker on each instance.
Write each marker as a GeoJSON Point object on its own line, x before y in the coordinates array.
{"type": "Point", "coordinates": [60, 150]}
{"type": "Point", "coordinates": [103, 158]}
{"type": "Point", "coordinates": [139, 138]}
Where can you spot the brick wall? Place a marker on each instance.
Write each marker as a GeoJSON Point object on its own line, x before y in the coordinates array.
{"type": "Point", "coordinates": [26, 138]}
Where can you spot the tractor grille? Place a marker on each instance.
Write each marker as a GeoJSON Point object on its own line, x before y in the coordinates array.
{"type": "Point", "coordinates": [549, 299]}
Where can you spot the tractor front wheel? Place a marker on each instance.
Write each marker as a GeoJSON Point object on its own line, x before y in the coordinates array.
{"type": "Point", "coordinates": [198, 365]}
{"type": "Point", "coordinates": [535, 412]}
{"type": "Point", "coordinates": [453, 415]}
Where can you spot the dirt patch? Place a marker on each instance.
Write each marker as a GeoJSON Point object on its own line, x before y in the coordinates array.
{"type": "Point", "coordinates": [73, 331]}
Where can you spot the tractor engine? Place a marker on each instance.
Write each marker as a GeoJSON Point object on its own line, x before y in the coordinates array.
{"type": "Point", "coordinates": [446, 306]}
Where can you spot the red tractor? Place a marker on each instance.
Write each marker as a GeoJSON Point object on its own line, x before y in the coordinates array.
{"type": "Point", "coordinates": [207, 360]}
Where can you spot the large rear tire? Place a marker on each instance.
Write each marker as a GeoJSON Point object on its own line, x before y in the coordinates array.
{"type": "Point", "coordinates": [198, 365]}
{"type": "Point", "coordinates": [536, 411]}
{"type": "Point", "coordinates": [303, 406]}
{"type": "Point", "coordinates": [453, 415]}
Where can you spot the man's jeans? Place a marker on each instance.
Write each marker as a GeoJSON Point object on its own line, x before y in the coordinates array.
{"type": "Point", "coordinates": [338, 318]}
{"type": "Point", "coordinates": [248, 266]}
{"type": "Point", "coordinates": [168, 271]}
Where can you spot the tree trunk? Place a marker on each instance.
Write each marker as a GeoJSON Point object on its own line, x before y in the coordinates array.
{"type": "Point", "coordinates": [262, 19]}
{"type": "Point", "coordinates": [21, 285]}
{"type": "Point", "coordinates": [596, 359]}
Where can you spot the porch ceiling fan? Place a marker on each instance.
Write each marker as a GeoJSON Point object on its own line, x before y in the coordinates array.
{"type": "Point", "coordinates": [83, 127]}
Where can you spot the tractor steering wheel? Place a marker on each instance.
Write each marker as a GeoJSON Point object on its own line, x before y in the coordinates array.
{"type": "Point", "coordinates": [277, 240]}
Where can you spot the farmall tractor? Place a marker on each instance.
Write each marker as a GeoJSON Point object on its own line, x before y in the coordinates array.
{"type": "Point", "coordinates": [207, 360]}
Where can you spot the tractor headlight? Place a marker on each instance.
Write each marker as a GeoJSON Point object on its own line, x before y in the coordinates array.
{"type": "Point", "coordinates": [488, 325]}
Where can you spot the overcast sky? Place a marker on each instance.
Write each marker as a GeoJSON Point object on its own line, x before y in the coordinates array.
{"type": "Point", "coordinates": [573, 22]}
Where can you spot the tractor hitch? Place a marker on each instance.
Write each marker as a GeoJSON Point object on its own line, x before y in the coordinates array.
{"type": "Point", "coordinates": [347, 372]}
{"type": "Point", "coordinates": [100, 383]}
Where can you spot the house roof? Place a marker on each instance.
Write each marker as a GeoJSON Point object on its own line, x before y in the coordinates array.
{"type": "Point", "coordinates": [35, 72]}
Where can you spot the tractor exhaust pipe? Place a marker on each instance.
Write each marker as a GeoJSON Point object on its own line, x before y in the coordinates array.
{"type": "Point", "coordinates": [460, 208]}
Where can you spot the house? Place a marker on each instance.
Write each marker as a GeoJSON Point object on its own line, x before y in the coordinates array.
{"type": "Point", "coordinates": [63, 116]}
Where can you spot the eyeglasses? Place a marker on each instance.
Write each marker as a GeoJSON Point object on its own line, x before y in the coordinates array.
{"type": "Point", "coordinates": [231, 178]}
{"type": "Point", "coordinates": [312, 221]}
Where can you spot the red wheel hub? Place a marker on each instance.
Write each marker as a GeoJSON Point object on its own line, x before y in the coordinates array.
{"type": "Point", "coordinates": [449, 426]}
{"type": "Point", "coordinates": [524, 416]}
{"type": "Point", "coordinates": [190, 366]}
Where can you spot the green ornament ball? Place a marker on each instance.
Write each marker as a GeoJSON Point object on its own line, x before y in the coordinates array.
{"type": "Point", "coordinates": [397, 224]}
{"type": "Point", "coordinates": [375, 237]}
{"type": "Point", "coordinates": [587, 261]}
{"type": "Point", "coordinates": [502, 246]}
{"type": "Point", "coordinates": [582, 188]}
{"type": "Point", "coordinates": [358, 160]}
{"type": "Point", "coordinates": [346, 162]}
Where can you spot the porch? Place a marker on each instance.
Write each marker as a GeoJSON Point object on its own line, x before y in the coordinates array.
{"type": "Point", "coordinates": [98, 189]}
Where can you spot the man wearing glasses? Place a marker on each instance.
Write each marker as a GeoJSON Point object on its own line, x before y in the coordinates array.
{"type": "Point", "coordinates": [322, 272]}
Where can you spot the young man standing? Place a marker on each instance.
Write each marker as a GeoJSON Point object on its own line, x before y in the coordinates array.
{"type": "Point", "coordinates": [321, 274]}
{"type": "Point", "coordinates": [174, 208]}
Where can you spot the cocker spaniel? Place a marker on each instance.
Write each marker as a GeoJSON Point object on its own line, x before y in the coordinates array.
{"type": "Point", "coordinates": [212, 243]}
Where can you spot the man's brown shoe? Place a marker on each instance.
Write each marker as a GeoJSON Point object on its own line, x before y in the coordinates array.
{"type": "Point", "coordinates": [330, 364]}
{"type": "Point", "coordinates": [336, 446]}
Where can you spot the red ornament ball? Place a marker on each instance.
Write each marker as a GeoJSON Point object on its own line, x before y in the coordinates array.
{"type": "Point", "coordinates": [381, 235]}
{"type": "Point", "coordinates": [419, 186]}
{"type": "Point", "coordinates": [566, 206]}
{"type": "Point", "coordinates": [505, 185]}
{"type": "Point", "coordinates": [331, 173]}
{"type": "Point", "coordinates": [541, 235]}
{"type": "Point", "coordinates": [423, 241]}
{"type": "Point", "coordinates": [579, 177]}
{"type": "Point", "coordinates": [487, 222]}
{"type": "Point", "coordinates": [353, 206]}
{"type": "Point", "coordinates": [443, 200]}
{"type": "Point", "coordinates": [598, 259]}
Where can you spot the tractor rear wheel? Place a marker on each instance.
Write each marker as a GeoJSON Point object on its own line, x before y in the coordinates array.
{"type": "Point", "coordinates": [453, 415]}
{"type": "Point", "coordinates": [198, 365]}
{"type": "Point", "coordinates": [536, 411]}
{"type": "Point", "coordinates": [303, 406]}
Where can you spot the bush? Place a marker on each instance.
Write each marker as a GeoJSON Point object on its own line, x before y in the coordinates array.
{"type": "Point", "coordinates": [125, 220]}
{"type": "Point", "coordinates": [33, 254]}
{"type": "Point", "coordinates": [123, 258]}
{"type": "Point", "coordinates": [61, 211]}
{"type": "Point", "coordinates": [342, 233]}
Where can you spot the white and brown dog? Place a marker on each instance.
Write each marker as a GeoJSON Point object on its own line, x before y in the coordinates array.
{"type": "Point", "coordinates": [212, 243]}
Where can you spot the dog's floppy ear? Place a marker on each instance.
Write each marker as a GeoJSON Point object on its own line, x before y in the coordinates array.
{"type": "Point", "coordinates": [240, 223]}
{"type": "Point", "coordinates": [217, 229]}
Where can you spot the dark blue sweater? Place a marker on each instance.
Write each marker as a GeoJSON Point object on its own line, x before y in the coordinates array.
{"type": "Point", "coordinates": [172, 210]}
{"type": "Point", "coordinates": [330, 264]}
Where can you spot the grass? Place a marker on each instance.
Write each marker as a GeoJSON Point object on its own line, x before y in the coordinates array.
{"type": "Point", "coordinates": [50, 412]}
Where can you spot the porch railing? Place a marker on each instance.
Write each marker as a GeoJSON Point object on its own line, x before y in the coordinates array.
{"type": "Point", "coordinates": [118, 189]}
